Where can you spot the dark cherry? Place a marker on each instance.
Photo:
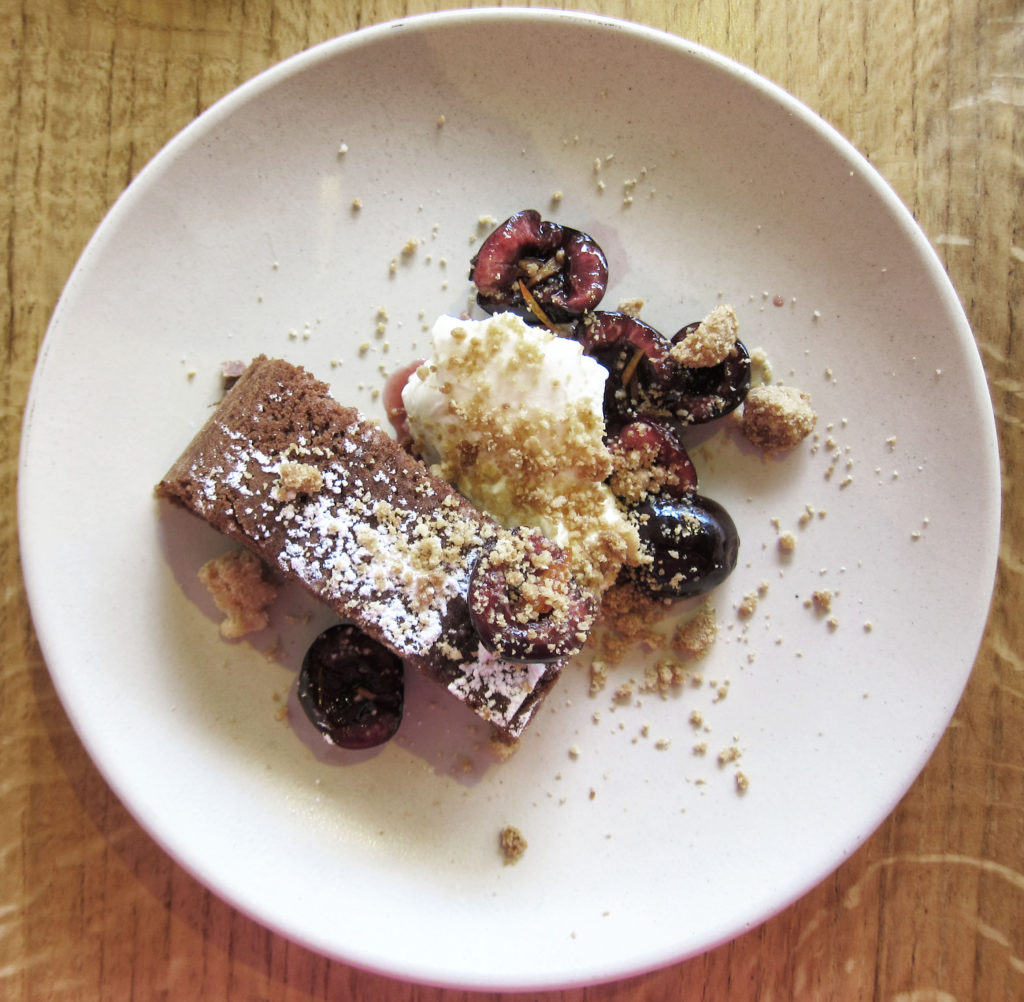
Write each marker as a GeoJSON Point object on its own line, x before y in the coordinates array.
{"type": "Point", "coordinates": [692, 542]}
{"type": "Point", "coordinates": [515, 628]}
{"type": "Point", "coordinates": [654, 435]}
{"type": "Point", "coordinates": [643, 378]}
{"type": "Point", "coordinates": [564, 270]}
{"type": "Point", "coordinates": [707, 394]}
{"type": "Point", "coordinates": [352, 688]}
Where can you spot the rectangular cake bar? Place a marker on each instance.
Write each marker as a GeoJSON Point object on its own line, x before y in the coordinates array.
{"type": "Point", "coordinates": [330, 500]}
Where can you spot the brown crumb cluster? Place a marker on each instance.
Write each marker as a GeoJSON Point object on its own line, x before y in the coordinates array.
{"type": "Point", "coordinates": [636, 472]}
{"type": "Point", "coordinates": [299, 478]}
{"type": "Point", "coordinates": [511, 844]}
{"type": "Point", "coordinates": [694, 638]}
{"type": "Point", "coordinates": [236, 580]}
{"type": "Point", "coordinates": [776, 418]}
{"type": "Point", "coordinates": [712, 342]}
{"type": "Point", "coordinates": [629, 618]}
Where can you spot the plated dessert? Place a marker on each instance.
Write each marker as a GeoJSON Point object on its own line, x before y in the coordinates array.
{"type": "Point", "coordinates": [538, 466]}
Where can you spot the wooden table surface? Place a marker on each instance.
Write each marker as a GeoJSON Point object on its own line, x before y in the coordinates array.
{"type": "Point", "coordinates": [930, 909]}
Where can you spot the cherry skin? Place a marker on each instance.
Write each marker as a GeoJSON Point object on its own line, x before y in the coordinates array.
{"type": "Point", "coordinates": [692, 543]}
{"type": "Point", "coordinates": [352, 688]}
{"type": "Point", "coordinates": [564, 270]}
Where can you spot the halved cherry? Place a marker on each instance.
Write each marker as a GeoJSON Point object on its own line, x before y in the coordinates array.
{"type": "Point", "coordinates": [655, 443]}
{"type": "Point", "coordinates": [563, 270]}
{"type": "Point", "coordinates": [352, 688]}
{"type": "Point", "coordinates": [524, 603]}
{"type": "Point", "coordinates": [644, 378]}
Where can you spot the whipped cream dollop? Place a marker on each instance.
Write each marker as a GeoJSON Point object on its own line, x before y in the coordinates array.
{"type": "Point", "coordinates": [513, 417]}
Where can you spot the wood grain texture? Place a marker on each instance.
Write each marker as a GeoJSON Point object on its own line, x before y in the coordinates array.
{"type": "Point", "coordinates": [930, 909]}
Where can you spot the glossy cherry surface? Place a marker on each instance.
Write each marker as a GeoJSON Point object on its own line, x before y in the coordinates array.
{"type": "Point", "coordinates": [352, 688]}
{"type": "Point", "coordinates": [692, 542]}
{"type": "Point", "coordinates": [563, 270]}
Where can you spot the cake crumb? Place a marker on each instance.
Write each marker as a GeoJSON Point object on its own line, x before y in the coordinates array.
{"type": "Point", "coordinates": [239, 587]}
{"type": "Point", "coordinates": [667, 674]}
{"type": "Point", "coordinates": [727, 755]}
{"type": "Point", "coordinates": [230, 371]}
{"type": "Point", "coordinates": [759, 358]}
{"type": "Point", "coordinates": [598, 676]}
{"type": "Point", "coordinates": [512, 844]}
{"type": "Point", "coordinates": [776, 418]}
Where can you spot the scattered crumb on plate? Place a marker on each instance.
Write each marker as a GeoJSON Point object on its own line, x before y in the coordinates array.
{"type": "Point", "coordinates": [512, 844]}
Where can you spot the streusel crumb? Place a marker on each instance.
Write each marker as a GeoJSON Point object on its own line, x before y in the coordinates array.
{"type": "Point", "coordinates": [712, 342]}
{"type": "Point", "coordinates": [300, 478]}
{"type": "Point", "coordinates": [776, 417]}
{"type": "Point", "coordinates": [693, 639]}
{"type": "Point", "coordinates": [512, 844]}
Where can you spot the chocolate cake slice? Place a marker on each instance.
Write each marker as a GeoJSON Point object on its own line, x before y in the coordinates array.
{"type": "Point", "coordinates": [327, 498]}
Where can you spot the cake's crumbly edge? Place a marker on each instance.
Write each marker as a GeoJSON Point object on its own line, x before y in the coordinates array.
{"type": "Point", "coordinates": [239, 586]}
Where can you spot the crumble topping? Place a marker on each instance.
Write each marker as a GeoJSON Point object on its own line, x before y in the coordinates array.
{"type": "Point", "coordinates": [299, 478]}
{"type": "Point", "coordinates": [693, 639]}
{"type": "Point", "coordinates": [511, 844]}
{"type": "Point", "coordinates": [537, 583]}
{"type": "Point", "coordinates": [637, 473]}
{"type": "Point", "coordinates": [238, 585]}
{"type": "Point", "coordinates": [777, 417]}
{"type": "Point", "coordinates": [712, 342]}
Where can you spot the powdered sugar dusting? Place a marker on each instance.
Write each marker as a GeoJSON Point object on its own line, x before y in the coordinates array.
{"type": "Point", "coordinates": [488, 677]}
